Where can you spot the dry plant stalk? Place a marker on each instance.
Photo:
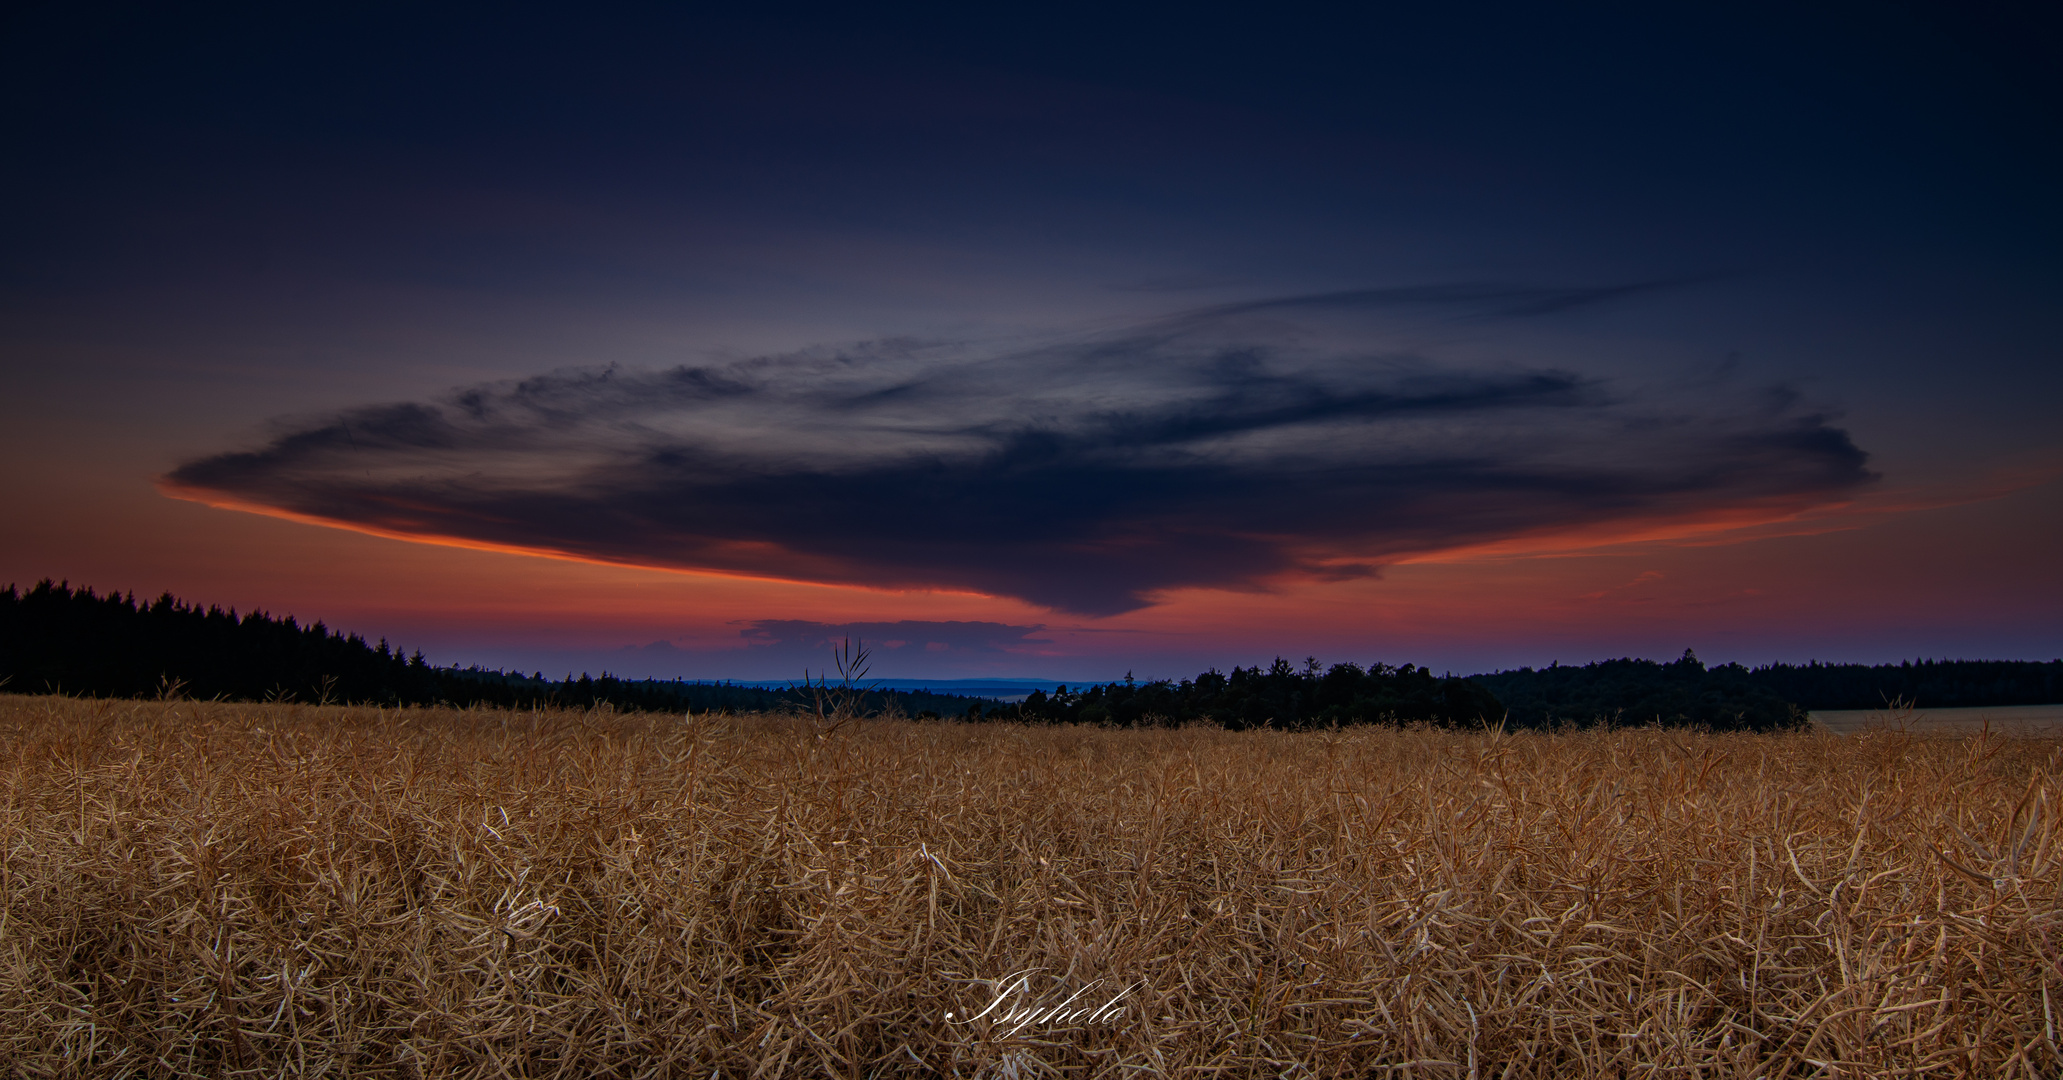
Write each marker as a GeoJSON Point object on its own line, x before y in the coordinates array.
{"type": "Point", "coordinates": [833, 707]}
{"type": "Point", "coordinates": [205, 889]}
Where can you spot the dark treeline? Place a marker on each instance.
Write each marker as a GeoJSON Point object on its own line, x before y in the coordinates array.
{"type": "Point", "coordinates": [1927, 684]}
{"type": "Point", "coordinates": [57, 639]}
{"type": "Point", "coordinates": [54, 638]}
{"type": "Point", "coordinates": [1764, 698]}
{"type": "Point", "coordinates": [1280, 696]}
{"type": "Point", "coordinates": [1683, 692]}
{"type": "Point", "coordinates": [1632, 692]}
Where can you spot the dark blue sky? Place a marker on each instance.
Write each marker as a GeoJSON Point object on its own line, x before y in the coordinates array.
{"type": "Point", "coordinates": [1307, 145]}
{"type": "Point", "coordinates": [1818, 246]}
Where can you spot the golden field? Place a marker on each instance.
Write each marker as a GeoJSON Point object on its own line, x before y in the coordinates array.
{"type": "Point", "coordinates": [194, 889]}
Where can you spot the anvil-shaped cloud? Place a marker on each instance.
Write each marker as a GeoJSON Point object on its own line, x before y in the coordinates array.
{"type": "Point", "coordinates": [1234, 447]}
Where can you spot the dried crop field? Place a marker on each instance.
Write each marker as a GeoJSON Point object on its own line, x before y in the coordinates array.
{"type": "Point", "coordinates": [266, 890]}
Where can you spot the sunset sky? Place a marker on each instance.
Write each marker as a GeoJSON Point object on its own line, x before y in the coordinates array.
{"type": "Point", "coordinates": [1049, 342]}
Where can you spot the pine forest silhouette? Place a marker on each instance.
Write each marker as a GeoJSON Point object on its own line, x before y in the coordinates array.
{"type": "Point", "coordinates": [58, 639]}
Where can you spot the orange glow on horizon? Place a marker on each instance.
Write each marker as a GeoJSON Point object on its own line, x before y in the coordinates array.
{"type": "Point", "coordinates": [217, 502]}
{"type": "Point", "coordinates": [1172, 608]}
{"type": "Point", "coordinates": [1713, 582]}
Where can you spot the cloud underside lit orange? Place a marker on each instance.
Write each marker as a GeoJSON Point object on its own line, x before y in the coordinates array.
{"type": "Point", "coordinates": [1712, 527]}
{"type": "Point", "coordinates": [1748, 523]}
{"type": "Point", "coordinates": [1096, 477]}
{"type": "Point", "coordinates": [217, 501]}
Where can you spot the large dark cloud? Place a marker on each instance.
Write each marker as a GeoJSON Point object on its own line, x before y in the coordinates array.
{"type": "Point", "coordinates": [1230, 448]}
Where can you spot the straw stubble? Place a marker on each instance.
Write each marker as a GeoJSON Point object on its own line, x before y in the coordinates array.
{"type": "Point", "coordinates": [206, 889]}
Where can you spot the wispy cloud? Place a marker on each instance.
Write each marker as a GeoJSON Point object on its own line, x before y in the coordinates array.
{"type": "Point", "coordinates": [1230, 447]}
{"type": "Point", "coordinates": [1495, 300]}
